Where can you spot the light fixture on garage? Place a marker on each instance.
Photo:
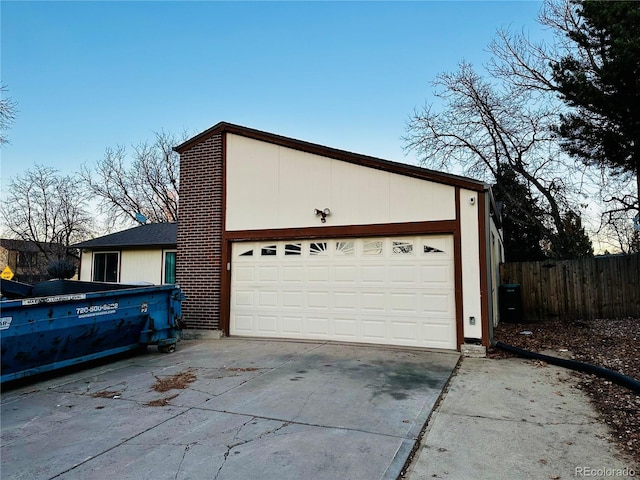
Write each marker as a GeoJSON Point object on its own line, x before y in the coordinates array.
{"type": "Point", "coordinates": [323, 214]}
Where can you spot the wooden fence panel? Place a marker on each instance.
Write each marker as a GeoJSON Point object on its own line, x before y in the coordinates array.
{"type": "Point", "coordinates": [599, 287]}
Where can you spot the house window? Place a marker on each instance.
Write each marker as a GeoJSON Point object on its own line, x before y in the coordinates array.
{"type": "Point", "coordinates": [105, 267]}
{"type": "Point", "coordinates": [170, 267]}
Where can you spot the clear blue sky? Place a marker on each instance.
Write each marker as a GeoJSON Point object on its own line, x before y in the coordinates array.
{"type": "Point", "coordinates": [88, 75]}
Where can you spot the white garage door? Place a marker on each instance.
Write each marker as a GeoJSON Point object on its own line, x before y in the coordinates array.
{"type": "Point", "coordinates": [395, 291]}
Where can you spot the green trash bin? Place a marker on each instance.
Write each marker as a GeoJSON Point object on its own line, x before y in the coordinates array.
{"type": "Point", "coordinates": [510, 299]}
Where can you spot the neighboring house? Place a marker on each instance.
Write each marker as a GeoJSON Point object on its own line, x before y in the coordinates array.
{"type": "Point", "coordinates": [144, 254]}
{"type": "Point", "coordinates": [283, 238]}
{"type": "Point", "coordinates": [29, 260]}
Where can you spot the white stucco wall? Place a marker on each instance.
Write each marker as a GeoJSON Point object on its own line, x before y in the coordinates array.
{"type": "Point", "coordinates": [497, 256]}
{"type": "Point", "coordinates": [141, 266]}
{"type": "Point", "coordinates": [135, 266]}
{"type": "Point", "coordinates": [470, 245]}
{"type": "Point", "coordinates": [270, 186]}
{"type": "Point", "coordinates": [86, 261]}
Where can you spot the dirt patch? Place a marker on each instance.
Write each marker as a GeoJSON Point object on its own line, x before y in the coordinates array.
{"type": "Point", "coordinates": [612, 344]}
{"type": "Point", "coordinates": [179, 381]}
{"type": "Point", "coordinates": [161, 402]}
{"type": "Point", "coordinates": [106, 394]}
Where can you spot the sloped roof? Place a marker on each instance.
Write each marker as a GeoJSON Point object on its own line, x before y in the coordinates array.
{"type": "Point", "coordinates": [356, 158]}
{"type": "Point", "coordinates": [28, 246]}
{"type": "Point", "coordinates": [150, 235]}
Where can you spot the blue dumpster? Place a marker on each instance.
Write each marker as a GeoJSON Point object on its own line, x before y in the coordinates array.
{"type": "Point", "coordinates": [74, 323]}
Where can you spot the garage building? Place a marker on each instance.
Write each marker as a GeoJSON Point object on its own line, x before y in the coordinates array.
{"type": "Point", "coordinates": [282, 238]}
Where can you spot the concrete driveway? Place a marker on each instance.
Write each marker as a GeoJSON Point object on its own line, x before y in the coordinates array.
{"type": "Point", "coordinates": [248, 409]}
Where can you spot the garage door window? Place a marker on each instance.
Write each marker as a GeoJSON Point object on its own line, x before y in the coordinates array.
{"type": "Point", "coordinates": [373, 247]}
{"type": "Point", "coordinates": [318, 248]}
{"type": "Point", "coordinates": [269, 251]}
{"type": "Point", "coordinates": [402, 248]}
{"type": "Point", "coordinates": [428, 249]}
{"type": "Point", "coordinates": [293, 249]}
{"type": "Point", "coordinates": [346, 248]}
{"type": "Point", "coordinates": [248, 253]}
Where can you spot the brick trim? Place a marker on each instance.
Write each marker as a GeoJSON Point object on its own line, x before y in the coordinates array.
{"type": "Point", "coordinates": [199, 238]}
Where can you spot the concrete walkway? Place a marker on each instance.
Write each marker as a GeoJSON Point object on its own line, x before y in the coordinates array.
{"type": "Point", "coordinates": [239, 409]}
{"type": "Point", "coordinates": [254, 409]}
{"type": "Point", "coordinates": [516, 419]}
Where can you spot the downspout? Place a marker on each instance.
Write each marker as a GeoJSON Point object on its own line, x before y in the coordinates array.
{"type": "Point", "coordinates": [620, 379]}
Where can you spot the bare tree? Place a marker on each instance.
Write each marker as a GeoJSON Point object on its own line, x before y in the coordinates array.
{"type": "Point", "coordinates": [7, 114]}
{"type": "Point", "coordinates": [147, 185]}
{"type": "Point", "coordinates": [533, 66]}
{"type": "Point", "coordinates": [486, 128]}
{"type": "Point", "coordinates": [46, 208]}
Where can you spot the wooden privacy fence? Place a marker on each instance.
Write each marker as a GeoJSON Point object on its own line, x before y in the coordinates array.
{"type": "Point", "coordinates": [599, 287]}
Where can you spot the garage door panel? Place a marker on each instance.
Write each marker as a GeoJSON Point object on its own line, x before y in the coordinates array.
{"type": "Point", "coordinates": [438, 303]}
{"type": "Point", "coordinates": [244, 298]}
{"type": "Point", "coordinates": [292, 299]}
{"type": "Point", "coordinates": [345, 328]}
{"type": "Point", "coordinates": [244, 273]}
{"type": "Point", "coordinates": [268, 274]}
{"type": "Point", "coordinates": [375, 274]}
{"type": "Point", "coordinates": [374, 330]}
{"type": "Point", "coordinates": [386, 291]}
{"type": "Point", "coordinates": [244, 324]}
{"type": "Point", "coordinates": [403, 274]}
{"type": "Point", "coordinates": [373, 301]}
{"type": "Point", "coordinates": [403, 302]}
{"type": "Point", "coordinates": [436, 274]}
{"type": "Point", "coordinates": [318, 273]}
{"type": "Point", "coordinates": [292, 325]}
{"type": "Point", "coordinates": [293, 273]}
{"type": "Point", "coordinates": [268, 298]}
{"type": "Point", "coordinates": [318, 299]}
{"type": "Point", "coordinates": [405, 332]}
{"type": "Point", "coordinates": [345, 301]}
{"type": "Point", "coordinates": [318, 326]}
{"type": "Point", "coordinates": [438, 334]}
{"type": "Point", "coordinates": [267, 324]}
{"type": "Point", "coordinates": [345, 275]}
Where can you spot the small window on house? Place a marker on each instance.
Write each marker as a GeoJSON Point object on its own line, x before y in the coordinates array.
{"type": "Point", "coordinates": [373, 247]}
{"type": "Point", "coordinates": [346, 248]}
{"type": "Point", "coordinates": [269, 251]}
{"type": "Point", "coordinates": [428, 249]}
{"type": "Point", "coordinates": [248, 253]}
{"type": "Point", "coordinates": [318, 248]}
{"type": "Point", "coordinates": [170, 267]}
{"type": "Point", "coordinates": [105, 266]}
{"type": "Point", "coordinates": [402, 247]}
{"type": "Point", "coordinates": [293, 249]}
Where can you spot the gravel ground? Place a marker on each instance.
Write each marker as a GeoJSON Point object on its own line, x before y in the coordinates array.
{"type": "Point", "coordinates": [612, 344]}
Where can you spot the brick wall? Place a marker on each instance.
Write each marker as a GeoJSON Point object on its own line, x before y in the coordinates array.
{"type": "Point", "coordinates": [198, 266]}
